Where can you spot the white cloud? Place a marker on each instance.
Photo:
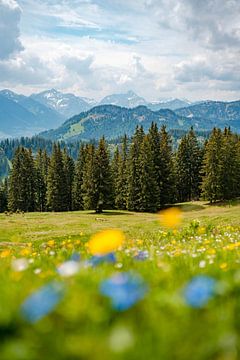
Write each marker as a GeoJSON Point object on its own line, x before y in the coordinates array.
{"type": "Point", "coordinates": [158, 48]}
{"type": "Point", "coordinates": [10, 14]}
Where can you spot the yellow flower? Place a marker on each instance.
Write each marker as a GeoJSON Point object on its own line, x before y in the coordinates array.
{"type": "Point", "coordinates": [223, 266]}
{"type": "Point", "coordinates": [25, 252]}
{"type": "Point", "coordinates": [5, 254]}
{"type": "Point", "coordinates": [106, 241]}
{"type": "Point", "coordinates": [171, 217]}
{"type": "Point", "coordinates": [211, 251]}
{"type": "Point", "coordinates": [201, 230]}
{"type": "Point", "coordinates": [51, 243]}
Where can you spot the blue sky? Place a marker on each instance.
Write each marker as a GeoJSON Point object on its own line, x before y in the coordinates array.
{"type": "Point", "coordinates": [158, 48]}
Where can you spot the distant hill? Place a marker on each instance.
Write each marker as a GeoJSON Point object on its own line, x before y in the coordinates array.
{"type": "Point", "coordinates": [218, 113]}
{"type": "Point", "coordinates": [112, 121]}
{"type": "Point", "coordinates": [171, 104]}
{"type": "Point", "coordinates": [21, 115]}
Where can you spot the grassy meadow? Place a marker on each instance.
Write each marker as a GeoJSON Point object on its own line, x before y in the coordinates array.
{"type": "Point", "coordinates": [168, 322]}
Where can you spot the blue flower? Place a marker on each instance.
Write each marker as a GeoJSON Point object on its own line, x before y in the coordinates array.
{"type": "Point", "coordinates": [124, 290]}
{"type": "Point", "coordinates": [75, 257]}
{"type": "Point", "coordinates": [42, 302]}
{"type": "Point", "coordinates": [96, 260]}
{"type": "Point", "coordinates": [142, 255]}
{"type": "Point", "coordinates": [199, 290]}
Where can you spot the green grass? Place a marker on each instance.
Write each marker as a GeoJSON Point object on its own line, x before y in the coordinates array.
{"type": "Point", "coordinates": [162, 325]}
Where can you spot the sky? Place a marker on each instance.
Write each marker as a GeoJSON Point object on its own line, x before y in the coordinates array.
{"type": "Point", "coordinates": [189, 49]}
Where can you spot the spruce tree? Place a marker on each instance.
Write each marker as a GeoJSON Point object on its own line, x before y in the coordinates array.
{"type": "Point", "coordinates": [41, 165]}
{"type": "Point", "coordinates": [3, 195]}
{"type": "Point", "coordinates": [230, 165]}
{"type": "Point", "coordinates": [89, 179]}
{"type": "Point", "coordinates": [121, 182]}
{"type": "Point", "coordinates": [57, 195]}
{"type": "Point", "coordinates": [167, 176]}
{"type": "Point", "coordinates": [78, 180]}
{"type": "Point", "coordinates": [69, 170]}
{"type": "Point", "coordinates": [134, 186]}
{"type": "Point", "coordinates": [104, 183]}
{"type": "Point", "coordinates": [149, 190]}
{"type": "Point", "coordinates": [188, 168]}
{"type": "Point", "coordinates": [115, 170]}
{"type": "Point", "coordinates": [21, 195]}
{"type": "Point", "coordinates": [154, 143]}
{"type": "Point", "coordinates": [212, 186]}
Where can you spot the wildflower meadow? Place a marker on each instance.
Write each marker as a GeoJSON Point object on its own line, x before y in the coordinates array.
{"type": "Point", "coordinates": [121, 285]}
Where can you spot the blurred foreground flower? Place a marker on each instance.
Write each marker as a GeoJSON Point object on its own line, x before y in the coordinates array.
{"type": "Point", "coordinates": [199, 290]}
{"type": "Point", "coordinates": [124, 290]}
{"type": "Point", "coordinates": [96, 260]}
{"type": "Point", "coordinates": [69, 268]}
{"type": "Point", "coordinates": [19, 264]}
{"type": "Point", "coordinates": [171, 217]}
{"type": "Point", "coordinates": [106, 242]}
{"type": "Point", "coordinates": [42, 302]}
{"type": "Point", "coordinates": [121, 339]}
{"type": "Point", "coordinates": [142, 255]}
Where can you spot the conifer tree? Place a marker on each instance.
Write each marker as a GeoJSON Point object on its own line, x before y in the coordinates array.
{"type": "Point", "coordinates": [41, 165]}
{"type": "Point", "coordinates": [154, 143]}
{"type": "Point", "coordinates": [229, 174]}
{"type": "Point", "coordinates": [188, 167]}
{"type": "Point", "coordinates": [134, 186]}
{"type": "Point", "coordinates": [78, 180]}
{"type": "Point", "coordinates": [212, 186]}
{"type": "Point", "coordinates": [149, 190]}
{"type": "Point", "coordinates": [121, 182]}
{"type": "Point", "coordinates": [69, 170]}
{"type": "Point", "coordinates": [22, 181]}
{"type": "Point", "coordinates": [57, 197]}
{"type": "Point", "coordinates": [89, 178]}
{"type": "Point", "coordinates": [167, 176]}
{"type": "Point", "coordinates": [104, 183]}
{"type": "Point", "coordinates": [3, 195]}
{"type": "Point", "coordinates": [115, 170]}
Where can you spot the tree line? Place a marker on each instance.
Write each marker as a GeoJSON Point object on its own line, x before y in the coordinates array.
{"type": "Point", "coordinates": [144, 174]}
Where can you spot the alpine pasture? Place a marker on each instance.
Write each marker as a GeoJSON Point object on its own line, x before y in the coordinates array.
{"type": "Point", "coordinates": [164, 293]}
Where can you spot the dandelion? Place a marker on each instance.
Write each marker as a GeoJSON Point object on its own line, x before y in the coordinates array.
{"type": "Point", "coordinates": [223, 266]}
{"type": "Point", "coordinates": [42, 302]}
{"type": "Point", "coordinates": [51, 243]}
{"type": "Point", "coordinates": [124, 290]}
{"type": "Point", "coordinates": [171, 217]}
{"type": "Point", "coordinates": [25, 252]}
{"type": "Point", "coordinates": [199, 290]}
{"type": "Point", "coordinates": [5, 254]}
{"type": "Point", "coordinates": [105, 242]}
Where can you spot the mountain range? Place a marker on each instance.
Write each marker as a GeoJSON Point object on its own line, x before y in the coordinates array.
{"type": "Point", "coordinates": [113, 121]}
{"type": "Point", "coordinates": [75, 117]}
{"type": "Point", "coordinates": [27, 115]}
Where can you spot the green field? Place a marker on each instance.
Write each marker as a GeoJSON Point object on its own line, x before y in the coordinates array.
{"type": "Point", "coordinates": [162, 325]}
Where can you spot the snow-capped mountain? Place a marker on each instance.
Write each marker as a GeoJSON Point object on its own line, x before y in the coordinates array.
{"type": "Point", "coordinates": [128, 100]}
{"type": "Point", "coordinates": [65, 104]}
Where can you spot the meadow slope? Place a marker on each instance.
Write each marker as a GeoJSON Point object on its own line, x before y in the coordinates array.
{"type": "Point", "coordinates": [172, 319]}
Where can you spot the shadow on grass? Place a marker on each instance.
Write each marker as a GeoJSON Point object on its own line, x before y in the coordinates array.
{"type": "Point", "coordinates": [191, 207]}
{"type": "Point", "coordinates": [112, 213]}
{"type": "Point", "coordinates": [225, 203]}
